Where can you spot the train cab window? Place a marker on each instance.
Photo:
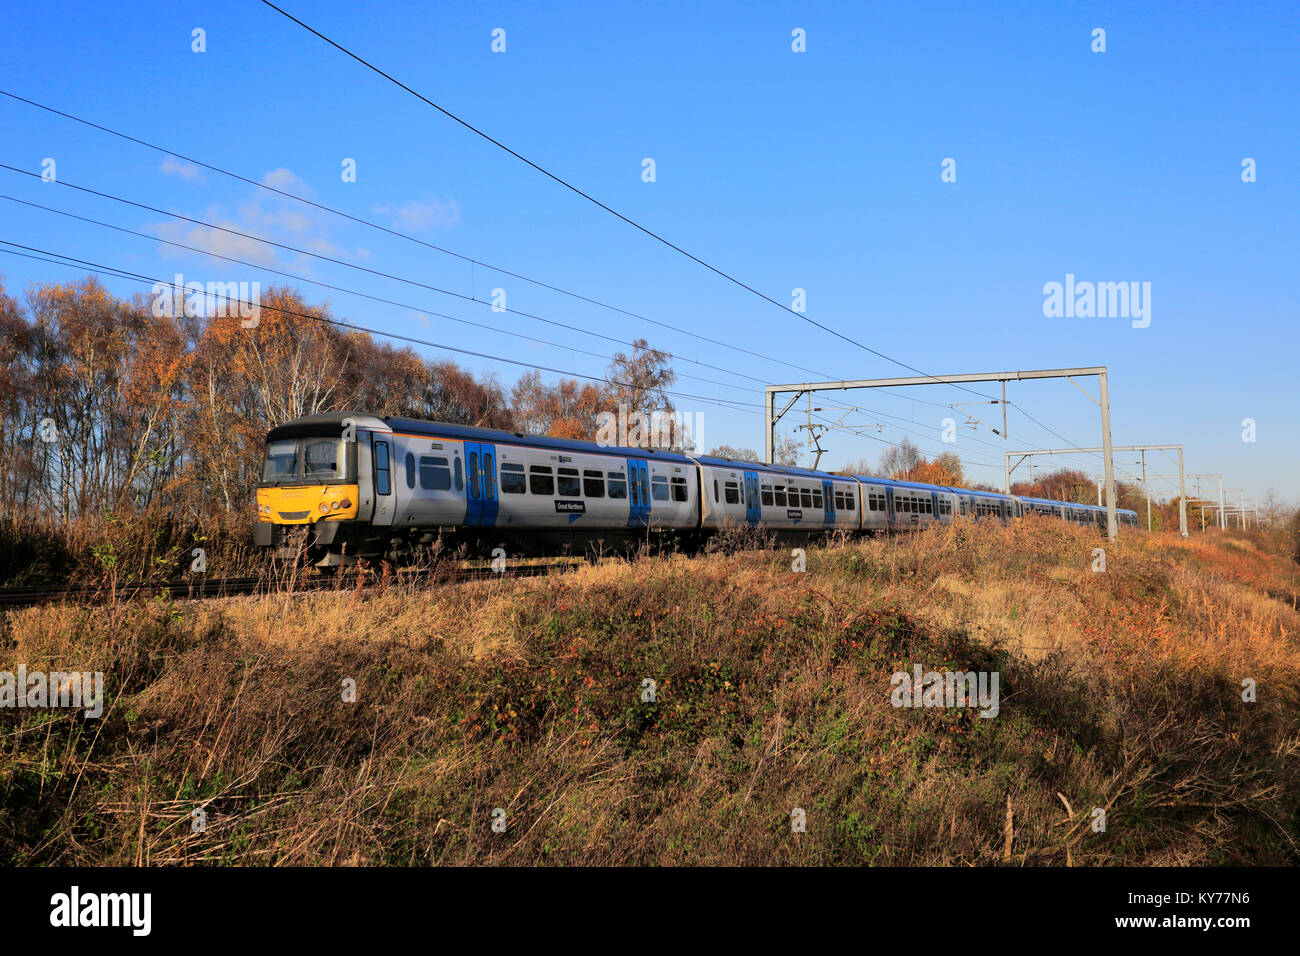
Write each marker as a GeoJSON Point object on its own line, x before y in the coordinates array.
{"type": "Point", "coordinates": [732, 492]}
{"type": "Point", "coordinates": [617, 485]}
{"type": "Point", "coordinates": [569, 485]}
{"type": "Point", "coordinates": [321, 458]}
{"type": "Point", "coordinates": [659, 487]}
{"type": "Point", "coordinates": [779, 496]}
{"type": "Point", "coordinates": [593, 483]}
{"type": "Point", "coordinates": [281, 461]}
{"type": "Point", "coordinates": [436, 476]}
{"type": "Point", "coordinates": [512, 479]}
{"type": "Point", "coordinates": [410, 470]}
{"type": "Point", "coordinates": [541, 481]}
{"type": "Point", "coordinates": [679, 489]}
{"type": "Point", "coordinates": [805, 497]}
{"type": "Point", "coordinates": [382, 484]}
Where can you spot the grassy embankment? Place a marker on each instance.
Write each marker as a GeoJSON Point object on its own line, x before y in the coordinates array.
{"type": "Point", "coordinates": [1120, 690]}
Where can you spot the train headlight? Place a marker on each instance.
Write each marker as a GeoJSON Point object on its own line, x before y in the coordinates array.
{"type": "Point", "coordinates": [334, 506]}
{"type": "Point", "coordinates": [324, 508]}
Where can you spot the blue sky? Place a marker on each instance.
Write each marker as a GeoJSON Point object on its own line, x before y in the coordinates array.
{"type": "Point", "coordinates": [818, 170]}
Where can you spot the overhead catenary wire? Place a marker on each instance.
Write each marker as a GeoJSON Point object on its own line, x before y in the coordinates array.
{"type": "Point", "coordinates": [479, 262]}
{"type": "Point", "coordinates": [631, 222]}
{"type": "Point", "coordinates": [502, 270]}
{"type": "Point", "coordinates": [428, 245]}
{"type": "Point", "coordinates": [300, 251]}
{"type": "Point", "coordinates": [44, 255]}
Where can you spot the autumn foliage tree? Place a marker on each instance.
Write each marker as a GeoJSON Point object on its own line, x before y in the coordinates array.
{"type": "Point", "coordinates": [113, 406]}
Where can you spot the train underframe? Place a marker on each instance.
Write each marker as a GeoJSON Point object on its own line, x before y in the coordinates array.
{"type": "Point", "coordinates": [333, 544]}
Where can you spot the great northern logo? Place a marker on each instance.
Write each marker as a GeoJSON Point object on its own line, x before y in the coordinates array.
{"type": "Point", "coordinates": [570, 507]}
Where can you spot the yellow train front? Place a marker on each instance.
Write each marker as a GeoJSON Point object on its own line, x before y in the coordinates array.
{"type": "Point", "coordinates": [316, 495]}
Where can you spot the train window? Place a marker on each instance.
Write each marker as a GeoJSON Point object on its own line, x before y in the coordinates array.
{"type": "Point", "coordinates": [460, 480]}
{"type": "Point", "coordinates": [540, 480]}
{"type": "Point", "coordinates": [489, 475]}
{"type": "Point", "coordinates": [473, 474]}
{"type": "Point", "coordinates": [512, 479]}
{"type": "Point", "coordinates": [765, 495]}
{"type": "Point", "coordinates": [281, 461]}
{"type": "Point", "coordinates": [732, 492]}
{"type": "Point", "coordinates": [593, 483]}
{"type": "Point", "coordinates": [715, 489]}
{"type": "Point", "coordinates": [569, 485]}
{"type": "Point", "coordinates": [617, 485]}
{"type": "Point", "coordinates": [805, 497]}
{"type": "Point", "coordinates": [817, 499]}
{"type": "Point", "coordinates": [659, 487]}
{"type": "Point", "coordinates": [679, 490]}
{"type": "Point", "coordinates": [929, 506]}
{"type": "Point", "coordinates": [382, 485]}
{"type": "Point", "coordinates": [321, 458]}
{"type": "Point", "coordinates": [779, 496]}
{"type": "Point", "coordinates": [436, 476]}
{"type": "Point", "coordinates": [410, 470]}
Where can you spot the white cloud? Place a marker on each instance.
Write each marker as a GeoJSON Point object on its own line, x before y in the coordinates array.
{"type": "Point", "coordinates": [171, 166]}
{"type": "Point", "coordinates": [423, 213]}
{"type": "Point", "coordinates": [264, 214]}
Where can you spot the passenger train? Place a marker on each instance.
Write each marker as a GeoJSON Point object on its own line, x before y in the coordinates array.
{"type": "Point", "coordinates": [349, 484]}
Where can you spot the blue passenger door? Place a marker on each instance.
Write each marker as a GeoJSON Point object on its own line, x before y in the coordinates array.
{"type": "Point", "coordinates": [753, 506]}
{"type": "Point", "coordinates": [481, 488]}
{"type": "Point", "coordinates": [638, 493]}
{"type": "Point", "coordinates": [828, 496]}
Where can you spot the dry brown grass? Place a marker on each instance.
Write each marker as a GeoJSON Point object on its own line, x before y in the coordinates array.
{"type": "Point", "coordinates": [1120, 690]}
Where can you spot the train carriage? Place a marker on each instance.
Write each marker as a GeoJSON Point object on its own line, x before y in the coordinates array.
{"type": "Point", "coordinates": [348, 483]}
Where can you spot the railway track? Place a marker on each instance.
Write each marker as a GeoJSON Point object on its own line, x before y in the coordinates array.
{"type": "Point", "coordinates": [203, 588]}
